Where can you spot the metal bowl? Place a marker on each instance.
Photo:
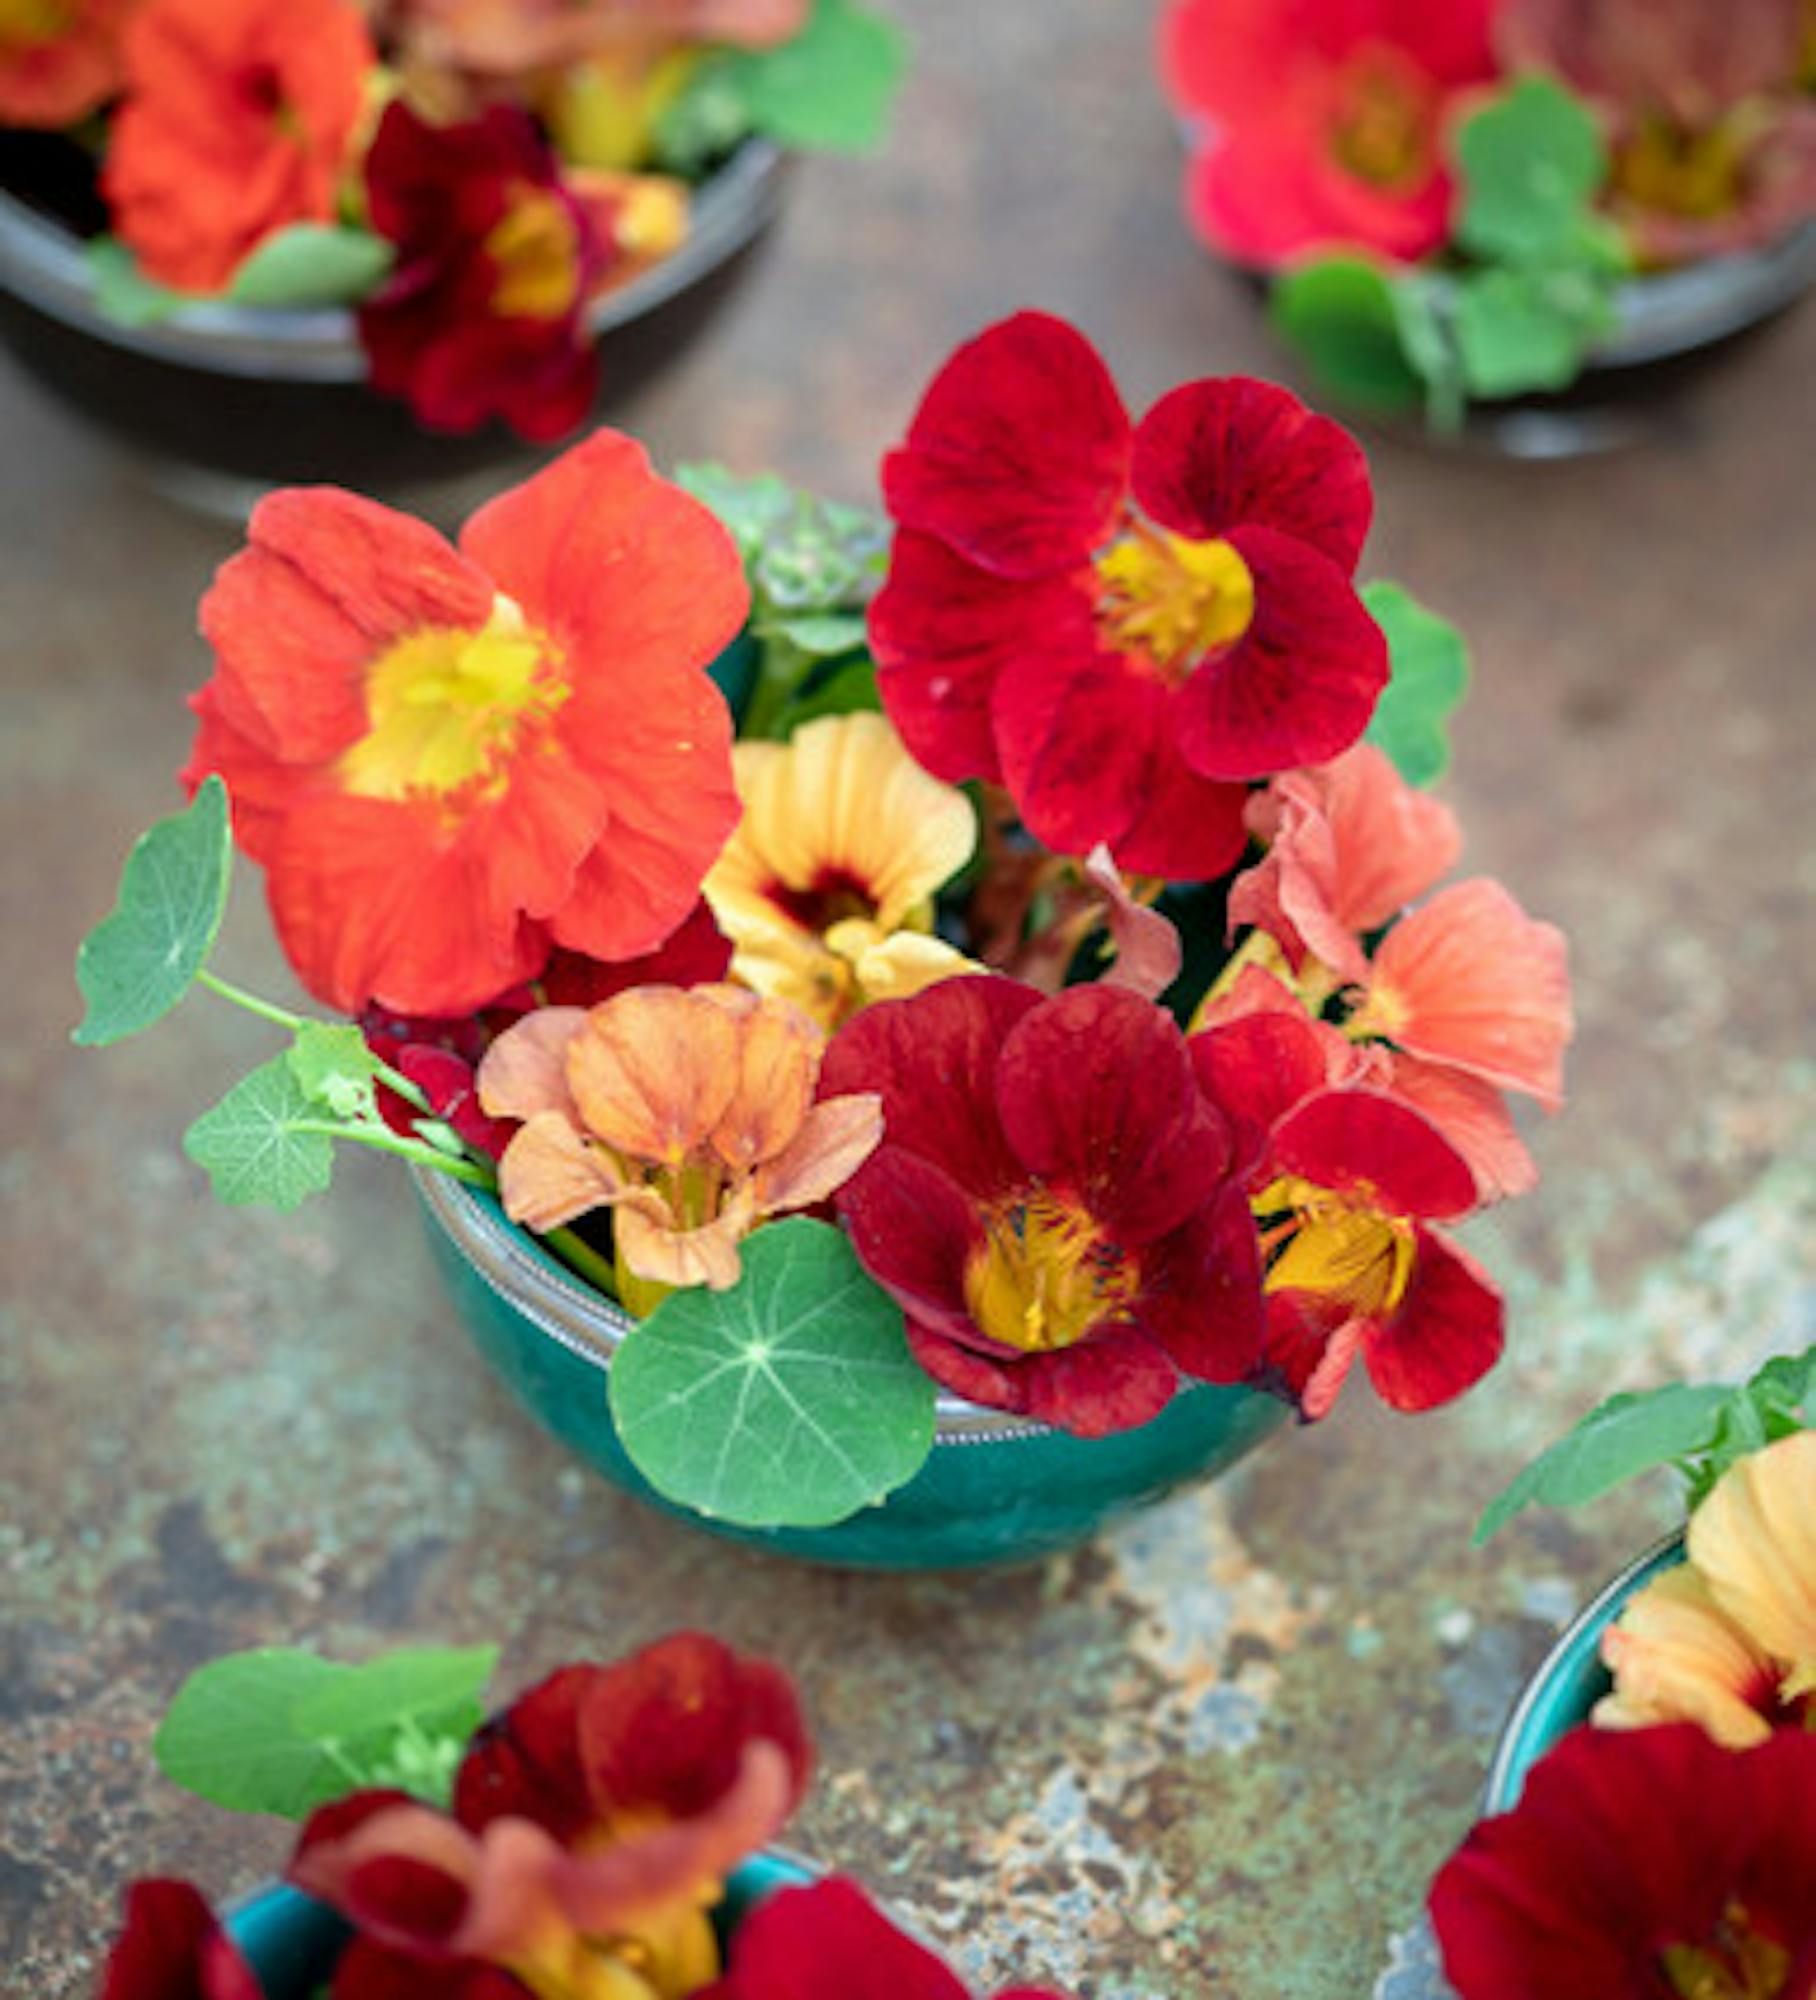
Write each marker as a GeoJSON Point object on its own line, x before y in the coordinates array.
{"type": "Point", "coordinates": [226, 401]}
{"type": "Point", "coordinates": [996, 1488]}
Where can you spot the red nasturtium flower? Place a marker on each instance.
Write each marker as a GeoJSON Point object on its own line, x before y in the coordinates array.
{"type": "Point", "coordinates": [484, 313]}
{"type": "Point", "coordinates": [830, 1939]}
{"type": "Point", "coordinates": [240, 117]}
{"type": "Point", "coordinates": [1052, 1202]}
{"type": "Point", "coordinates": [1327, 119]}
{"type": "Point", "coordinates": [59, 59]}
{"type": "Point", "coordinates": [1641, 1865]}
{"type": "Point", "coordinates": [592, 1829]}
{"type": "Point", "coordinates": [449, 762]}
{"type": "Point", "coordinates": [1122, 624]}
{"type": "Point", "coordinates": [172, 1947]}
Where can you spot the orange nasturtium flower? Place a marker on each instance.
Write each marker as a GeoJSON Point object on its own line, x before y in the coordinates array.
{"type": "Point", "coordinates": [689, 1113]}
{"type": "Point", "coordinates": [1728, 1639]}
{"type": "Point", "coordinates": [826, 888]}
{"type": "Point", "coordinates": [59, 59]}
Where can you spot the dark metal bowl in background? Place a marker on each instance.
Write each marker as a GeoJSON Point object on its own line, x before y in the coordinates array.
{"type": "Point", "coordinates": [225, 401]}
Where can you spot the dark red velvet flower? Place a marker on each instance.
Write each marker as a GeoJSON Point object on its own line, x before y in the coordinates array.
{"type": "Point", "coordinates": [1122, 624]}
{"type": "Point", "coordinates": [1647, 1864]}
{"type": "Point", "coordinates": [1052, 1202]}
{"type": "Point", "coordinates": [830, 1940]}
{"type": "Point", "coordinates": [484, 314]}
{"type": "Point", "coordinates": [172, 1947]}
{"type": "Point", "coordinates": [1345, 1182]}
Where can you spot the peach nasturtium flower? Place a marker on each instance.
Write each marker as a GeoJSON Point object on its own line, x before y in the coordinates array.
{"type": "Point", "coordinates": [689, 1113]}
{"type": "Point", "coordinates": [826, 888]}
{"type": "Point", "coordinates": [1728, 1640]}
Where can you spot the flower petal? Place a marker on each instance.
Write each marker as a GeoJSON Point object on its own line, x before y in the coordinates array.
{"type": "Point", "coordinates": [915, 1230]}
{"type": "Point", "coordinates": [835, 1138]}
{"type": "Point", "coordinates": [1365, 1142]}
{"type": "Point", "coordinates": [172, 1947]}
{"type": "Point", "coordinates": [1447, 1334]}
{"type": "Point", "coordinates": [654, 1070]}
{"type": "Point", "coordinates": [1754, 1539]}
{"type": "Point", "coordinates": [549, 1175]}
{"type": "Point", "coordinates": [1676, 1656]}
{"type": "Point", "coordinates": [827, 1938]}
{"type": "Point", "coordinates": [1473, 1116]}
{"type": "Point", "coordinates": [1201, 1292]}
{"type": "Point", "coordinates": [524, 1072]}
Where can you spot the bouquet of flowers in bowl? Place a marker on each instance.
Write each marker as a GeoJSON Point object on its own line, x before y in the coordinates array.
{"type": "Point", "coordinates": [1045, 1011]}
{"type": "Point", "coordinates": [1652, 1808]}
{"type": "Point", "coordinates": [1453, 202]}
{"type": "Point", "coordinates": [472, 180]}
{"type": "Point", "coordinates": [604, 1834]}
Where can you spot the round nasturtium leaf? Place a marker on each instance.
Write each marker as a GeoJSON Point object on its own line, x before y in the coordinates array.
{"type": "Point", "coordinates": [789, 1401]}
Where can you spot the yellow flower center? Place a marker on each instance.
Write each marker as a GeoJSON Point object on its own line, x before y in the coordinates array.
{"type": "Point", "coordinates": [1699, 175]}
{"type": "Point", "coordinates": [1337, 1243]}
{"type": "Point", "coordinates": [535, 253]}
{"type": "Point", "coordinates": [448, 708]}
{"type": "Point", "coordinates": [27, 23]}
{"type": "Point", "coordinates": [673, 1955]}
{"type": "Point", "coordinates": [1173, 600]}
{"type": "Point", "coordinates": [1736, 1964]}
{"type": "Point", "coordinates": [1383, 125]}
{"type": "Point", "coordinates": [1045, 1277]}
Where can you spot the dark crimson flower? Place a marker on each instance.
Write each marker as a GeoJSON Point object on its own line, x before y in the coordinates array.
{"type": "Point", "coordinates": [1324, 120]}
{"type": "Point", "coordinates": [484, 313]}
{"type": "Point", "coordinates": [831, 1939]}
{"type": "Point", "coordinates": [1122, 625]}
{"type": "Point", "coordinates": [173, 1948]}
{"type": "Point", "coordinates": [592, 1828]}
{"type": "Point", "coordinates": [1052, 1203]}
{"type": "Point", "coordinates": [1649, 1864]}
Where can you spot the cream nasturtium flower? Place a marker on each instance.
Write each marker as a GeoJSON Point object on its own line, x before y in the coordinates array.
{"type": "Point", "coordinates": [826, 888]}
{"type": "Point", "coordinates": [1728, 1639]}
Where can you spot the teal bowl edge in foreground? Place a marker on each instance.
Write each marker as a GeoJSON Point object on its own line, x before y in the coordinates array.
{"type": "Point", "coordinates": [996, 1488]}
{"type": "Point", "coordinates": [292, 1941]}
{"type": "Point", "coordinates": [1570, 1681]}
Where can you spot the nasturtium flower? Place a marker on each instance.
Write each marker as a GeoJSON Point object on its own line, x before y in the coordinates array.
{"type": "Point", "coordinates": [484, 314]}
{"type": "Point", "coordinates": [518, 38]}
{"type": "Point", "coordinates": [829, 1938]}
{"type": "Point", "coordinates": [689, 1114]}
{"type": "Point", "coordinates": [1325, 121]}
{"type": "Point", "coordinates": [172, 1947]}
{"type": "Point", "coordinates": [450, 762]}
{"type": "Point", "coordinates": [1122, 624]}
{"type": "Point", "coordinates": [1052, 1203]}
{"type": "Point", "coordinates": [1648, 1864]}
{"type": "Point", "coordinates": [826, 888]}
{"type": "Point", "coordinates": [592, 1829]}
{"type": "Point", "coordinates": [59, 59]}
{"type": "Point", "coordinates": [240, 118]}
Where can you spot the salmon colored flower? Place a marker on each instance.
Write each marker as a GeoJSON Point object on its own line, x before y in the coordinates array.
{"type": "Point", "coordinates": [689, 1114]}
{"type": "Point", "coordinates": [1648, 1864]}
{"type": "Point", "coordinates": [172, 1947]}
{"type": "Point", "coordinates": [829, 1938]}
{"type": "Point", "coordinates": [826, 888]}
{"type": "Point", "coordinates": [59, 59]}
{"type": "Point", "coordinates": [592, 1829]}
{"type": "Point", "coordinates": [1676, 1656]}
{"type": "Point", "coordinates": [514, 38]}
{"type": "Point", "coordinates": [240, 118]}
{"type": "Point", "coordinates": [450, 762]}
{"type": "Point", "coordinates": [1122, 624]}
{"type": "Point", "coordinates": [1324, 122]}
{"type": "Point", "coordinates": [1052, 1203]}
{"type": "Point", "coordinates": [484, 312]}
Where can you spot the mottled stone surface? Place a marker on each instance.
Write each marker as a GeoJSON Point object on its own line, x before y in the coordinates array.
{"type": "Point", "coordinates": [1220, 1753]}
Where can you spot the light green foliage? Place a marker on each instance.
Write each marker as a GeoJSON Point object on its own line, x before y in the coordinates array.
{"type": "Point", "coordinates": [334, 1068]}
{"type": "Point", "coordinates": [140, 960]}
{"type": "Point", "coordinates": [1532, 162]}
{"type": "Point", "coordinates": [831, 88]}
{"type": "Point", "coordinates": [122, 290]}
{"type": "Point", "coordinates": [1339, 313]}
{"type": "Point", "coordinates": [283, 1731]}
{"type": "Point", "coordinates": [264, 1142]}
{"type": "Point", "coordinates": [791, 1400]}
{"type": "Point", "coordinates": [1430, 677]}
{"type": "Point", "coordinates": [312, 264]}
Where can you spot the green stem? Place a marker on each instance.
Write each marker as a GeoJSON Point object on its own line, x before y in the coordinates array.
{"type": "Point", "coordinates": [581, 1258]}
{"type": "Point", "coordinates": [397, 1081]}
{"type": "Point", "coordinates": [779, 674]}
{"type": "Point", "coordinates": [387, 1141]}
{"type": "Point", "coordinates": [264, 1009]}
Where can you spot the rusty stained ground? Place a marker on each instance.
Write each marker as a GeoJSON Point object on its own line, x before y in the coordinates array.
{"type": "Point", "coordinates": [1220, 1752]}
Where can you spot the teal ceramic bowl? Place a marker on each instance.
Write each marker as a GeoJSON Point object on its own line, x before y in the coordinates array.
{"type": "Point", "coordinates": [291, 1941]}
{"type": "Point", "coordinates": [996, 1489]}
{"type": "Point", "coordinates": [1569, 1683]}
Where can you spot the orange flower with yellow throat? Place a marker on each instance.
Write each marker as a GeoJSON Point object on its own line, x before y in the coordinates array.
{"type": "Point", "coordinates": [826, 888]}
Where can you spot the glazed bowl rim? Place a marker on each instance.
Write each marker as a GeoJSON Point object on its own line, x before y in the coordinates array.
{"type": "Point", "coordinates": [1576, 1647]}
{"type": "Point", "coordinates": [46, 265]}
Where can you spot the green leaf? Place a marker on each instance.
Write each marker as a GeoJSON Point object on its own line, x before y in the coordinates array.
{"type": "Point", "coordinates": [849, 690]}
{"type": "Point", "coordinates": [122, 290]}
{"type": "Point", "coordinates": [262, 1142]}
{"type": "Point", "coordinates": [312, 264]}
{"type": "Point", "coordinates": [750, 508]}
{"type": "Point", "coordinates": [791, 1400]}
{"type": "Point", "coordinates": [1775, 1403]}
{"type": "Point", "coordinates": [1430, 677]}
{"type": "Point", "coordinates": [334, 1069]}
{"type": "Point", "coordinates": [705, 121]}
{"type": "Point", "coordinates": [1521, 331]}
{"type": "Point", "coordinates": [1628, 1434]}
{"type": "Point", "coordinates": [1422, 303]}
{"type": "Point", "coordinates": [283, 1731]}
{"type": "Point", "coordinates": [822, 634]}
{"type": "Point", "coordinates": [1531, 162]}
{"type": "Point", "coordinates": [1339, 313]}
{"type": "Point", "coordinates": [138, 962]}
{"type": "Point", "coordinates": [830, 89]}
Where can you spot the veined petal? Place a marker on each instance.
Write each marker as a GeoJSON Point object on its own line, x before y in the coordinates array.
{"type": "Point", "coordinates": [1754, 1539]}
{"type": "Point", "coordinates": [837, 1136]}
{"type": "Point", "coordinates": [1677, 1657]}
{"type": "Point", "coordinates": [524, 1072]}
{"type": "Point", "coordinates": [1473, 1116]}
{"type": "Point", "coordinates": [654, 1071]}
{"type": "Point", "coordinates": [651, 1244]}
{"type": "Point", "coordinates": [1201, 1293]}
{"type": "Point", "coordinates": [1364, 1142]}
{"type": "Point", "coordinates": [915, 1230]}
{"type": "Point", "coordinates": [1447, 1333]}
{"type": "Point", "coordinates": [549, 1175]}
